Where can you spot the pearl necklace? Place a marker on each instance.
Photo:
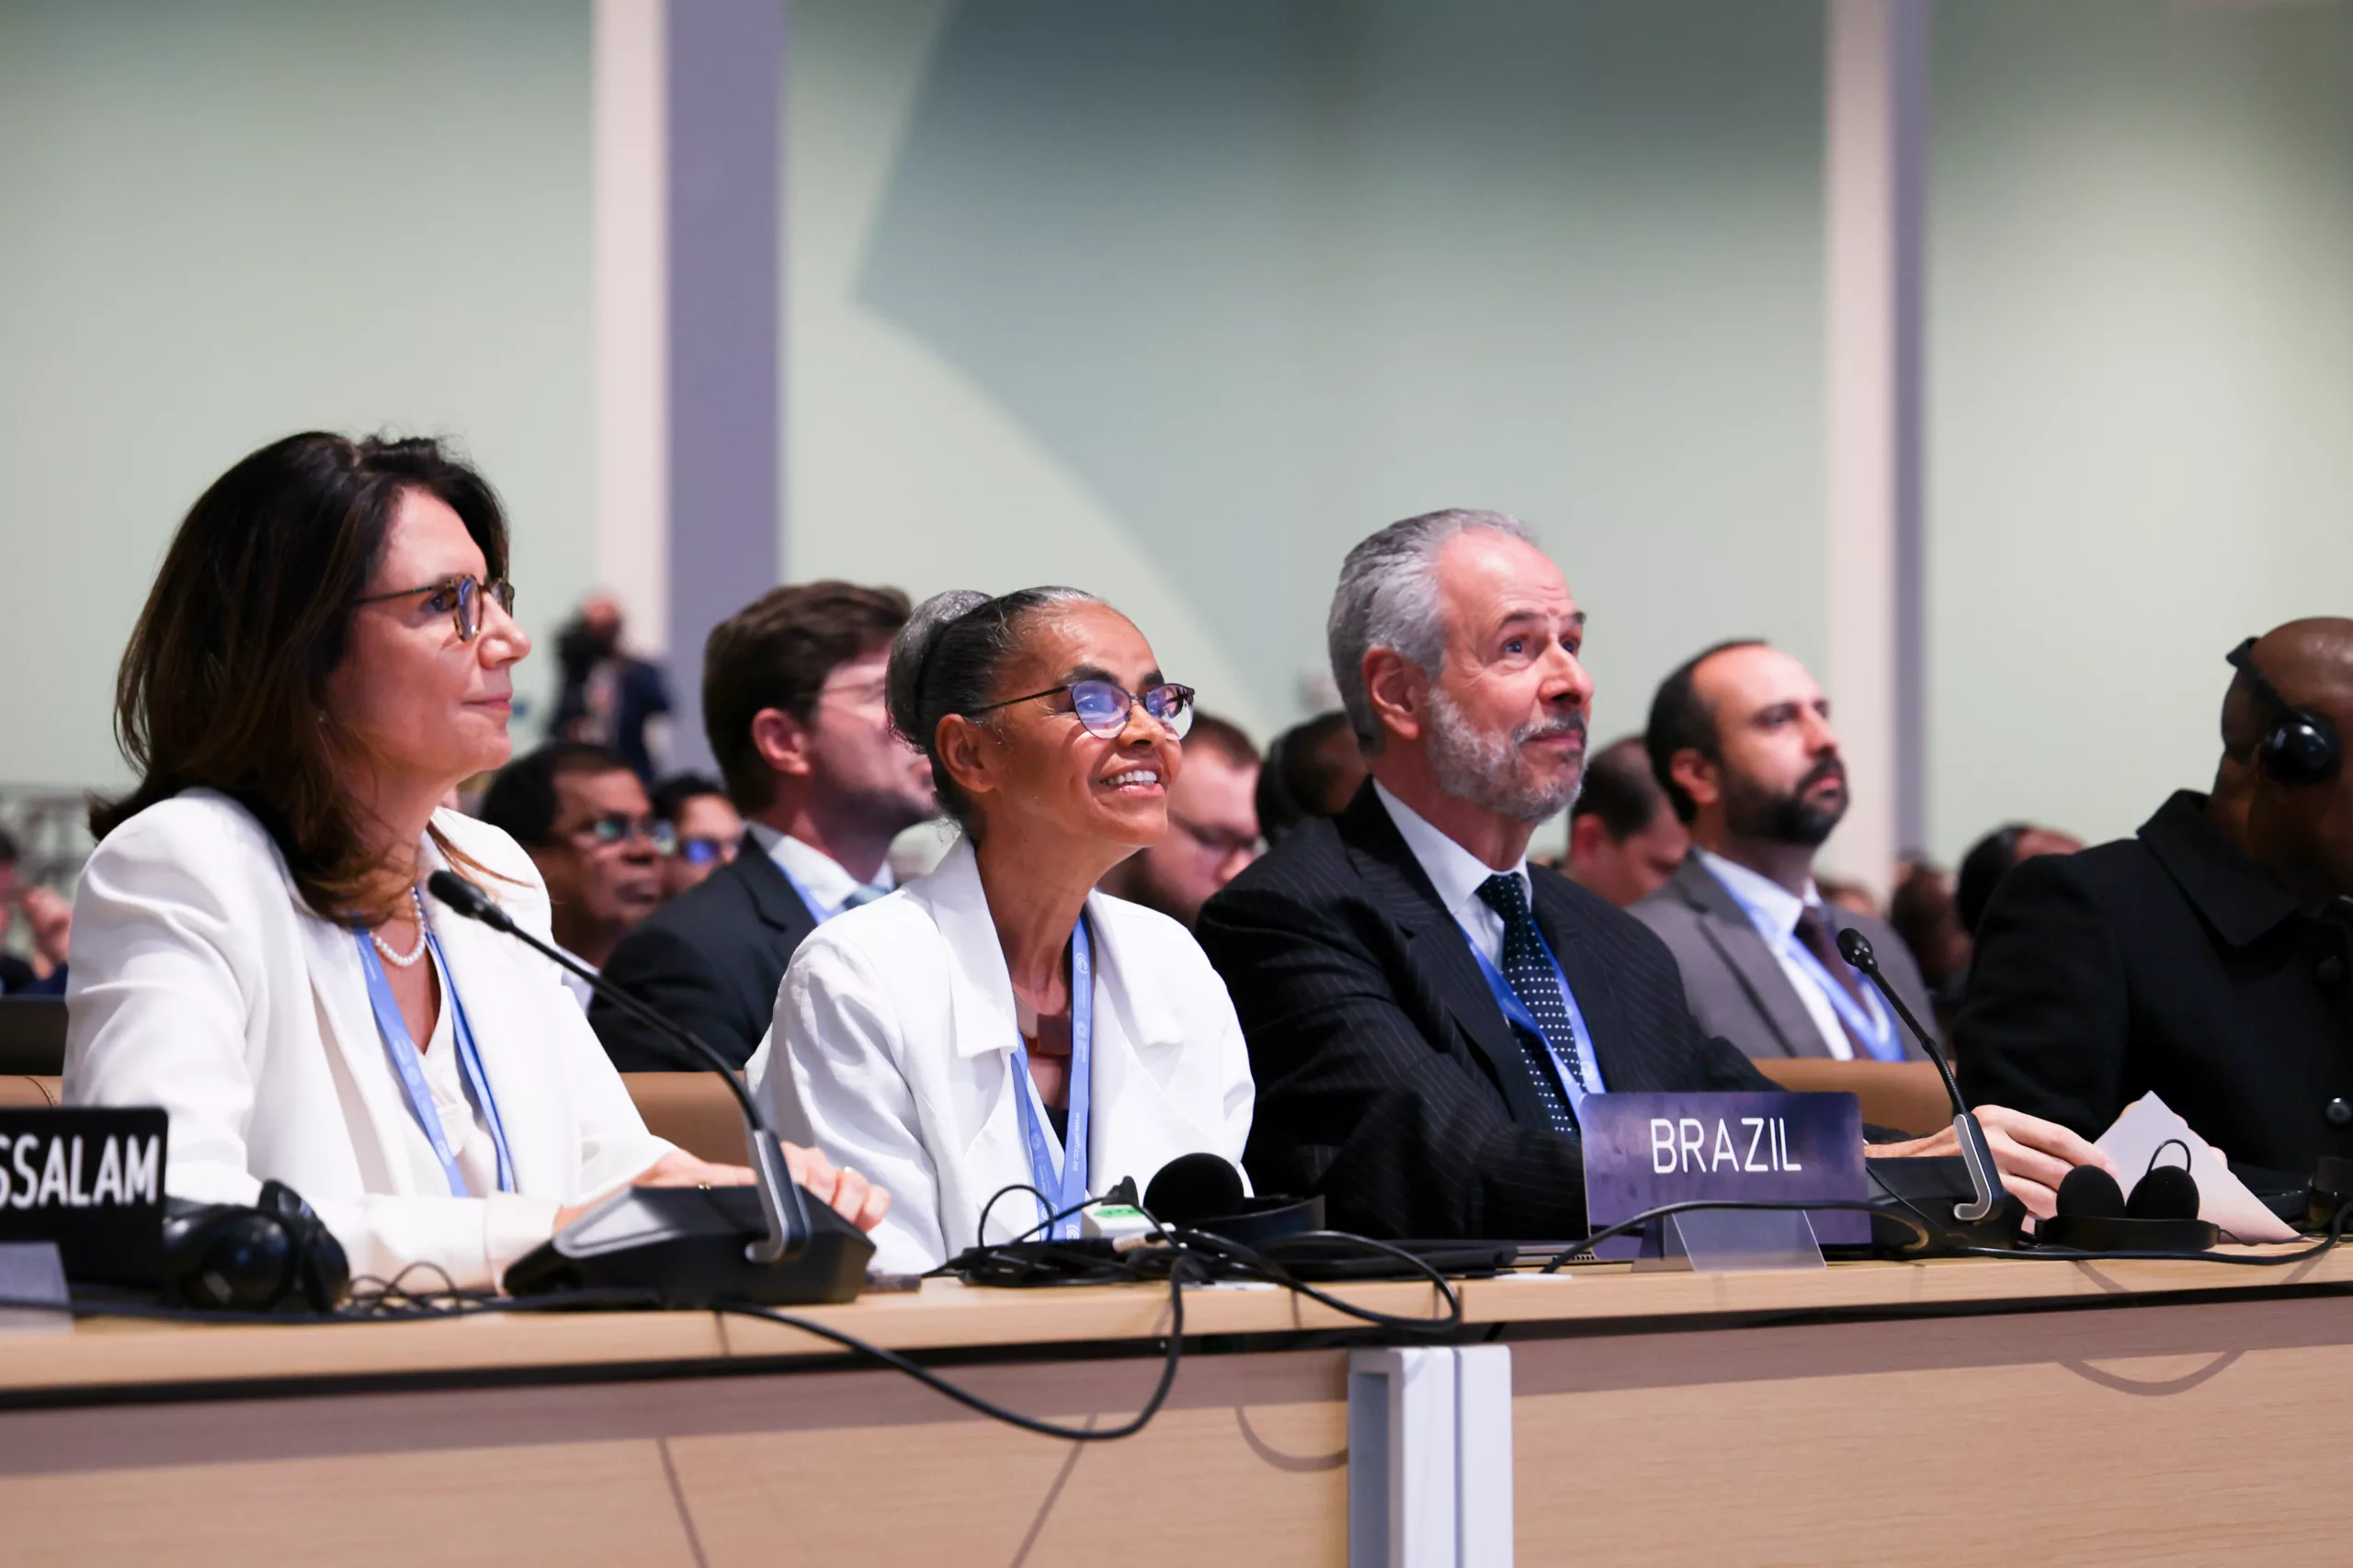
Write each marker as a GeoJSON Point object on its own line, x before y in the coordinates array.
{"type": "Point", "coordinates": [407, 959]}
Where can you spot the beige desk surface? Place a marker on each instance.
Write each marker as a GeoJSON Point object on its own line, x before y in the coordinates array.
{"type": "Point", "coordinates": [103, 1354]}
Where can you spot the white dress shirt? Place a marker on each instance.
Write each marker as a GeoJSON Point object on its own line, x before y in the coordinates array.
{"type": "Point", "coordinates": [1457, 875]}
{"type": "Point", "coordinates": [580, 990]}
{"type": "Point", "coordinates": [1774, 910]}
{"type": "Point", "coordinates": [893, 1050]}
{"type": "Point", "coordinates": [462, 1122]}
{"type": "Point", "coordinates": [819, 873]}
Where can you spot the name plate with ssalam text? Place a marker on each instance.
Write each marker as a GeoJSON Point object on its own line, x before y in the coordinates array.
{"type": "Point", "coordinates": [1642, 1150]}
{"type": "Point", "coordinates": [92, 1181]}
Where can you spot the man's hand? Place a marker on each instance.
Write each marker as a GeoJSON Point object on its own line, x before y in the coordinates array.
{"type": "Point", "coordinates": [2034, 1155]}
{"type": "Point", "coordinates": [51, 920]}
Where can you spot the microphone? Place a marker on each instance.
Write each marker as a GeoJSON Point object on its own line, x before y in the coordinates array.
{"type": "Point", "coordinates": [1975, 1153]}
{"type": "Point", "coordinates": [784, 1210]}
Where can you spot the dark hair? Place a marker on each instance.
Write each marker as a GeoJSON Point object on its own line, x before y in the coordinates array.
{"type": "Point", "coordinates": [1223, 738]}
{"type": "Point", "coordinates": [777, 652]}
{"type": "Point", "coordinates": [9, 853]}
{"type": "Point", "coordinates": [1298, 776]}
{"type": "Point", "coordinates": [1620, 789]}
{"type": "Point", "coordinates": [521, 799]}
{"type": "Point", "coordinates": [1681, 721]}
{"type": "Point", "coordinates": [224, 683]}
{"type": "Point", "coordinates": [670, 796]}
{"type": "Point", "coordinates": [947, 660]}
{"type": "Point", "coordinates": [1981, 870]}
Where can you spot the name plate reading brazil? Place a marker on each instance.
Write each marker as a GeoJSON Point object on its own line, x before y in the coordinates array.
{"type": "Point", "coordinates": [1643, 1151]}
{"type": "Point", "coordinates": [90, 1180]}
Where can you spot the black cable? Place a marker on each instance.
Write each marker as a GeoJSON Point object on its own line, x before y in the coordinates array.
{"type": "Point", "coordinates": [1254, 1261]}
{"type": "Point", "coordinates": [1853, 1205]}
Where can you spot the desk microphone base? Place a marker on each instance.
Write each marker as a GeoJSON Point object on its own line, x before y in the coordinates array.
{"type": "Point", "coordinates": [686, 1244]}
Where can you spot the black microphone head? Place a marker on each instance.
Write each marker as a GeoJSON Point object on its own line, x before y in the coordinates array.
{"type": "Point", "coordinates": [1855, 948]}
{"type": "Point", "coordinates": [1193, 1188]}
{"type": "Point", "coordinates": [2168, 1192]}
{"type": "Point", "coordinates": [467, 900]}
{"type": "Point", "coordinates": [2090, 1193]}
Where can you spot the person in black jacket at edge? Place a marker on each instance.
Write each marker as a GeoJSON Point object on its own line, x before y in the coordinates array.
{"type": "Point", "coordinates": [2205, 958]}
{"type": "Point", "coordinates": [1370, 956]}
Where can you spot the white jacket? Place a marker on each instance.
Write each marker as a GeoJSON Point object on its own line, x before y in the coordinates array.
{"type": "Point", "coordinates": [892, 1051]}
{"type": "Point", "coordinates": [203, 984]}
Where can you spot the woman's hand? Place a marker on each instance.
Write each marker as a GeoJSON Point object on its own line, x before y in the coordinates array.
{"type": "Point", "coordinates": [2034, 1155]}
{"type": "Point", "coordinates": [859, 1201]}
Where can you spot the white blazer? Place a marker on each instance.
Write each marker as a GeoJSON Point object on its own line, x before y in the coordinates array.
{"type": "Point", "coordinates": [892, 1051]}
{"type": "Point", "coordinates": [202, 984]}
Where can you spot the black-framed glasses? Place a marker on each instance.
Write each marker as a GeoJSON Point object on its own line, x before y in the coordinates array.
{"type": "Point", "coordinates": [1102, 706]}
{"type": "Point", "coordinates": [697, 849]}
{"type": "Point", "coordinates": [458, 597]}
{"type": "Point", "coordinates": [616, 828]}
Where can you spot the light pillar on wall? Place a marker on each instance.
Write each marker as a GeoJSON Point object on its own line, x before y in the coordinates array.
{"type": "Point", "coordinates": [688, 187]}
{"type": "Point", "coordinates": [1875, 181]}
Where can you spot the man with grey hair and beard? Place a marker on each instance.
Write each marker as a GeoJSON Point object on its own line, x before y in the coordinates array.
{"type": "Point", "coordinates": [1426, 1011]}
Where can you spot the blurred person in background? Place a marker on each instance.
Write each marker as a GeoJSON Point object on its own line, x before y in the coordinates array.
{"type": "Point", "coordinates": [1624, 839]}
{"type": "Point", "coordinates": [1926, 915]}
{"type": "Point", "coordinates": [1312, 770]}
{"type": "Point", "coordinates": [49, 920]}
{"type": "Point", "coordinates": [794, 706]}
{"type": "Point", "coordinates": [1212, 825]}
{"type": "Point", "coordinates": [581, 814]}
{"type": "Point", "coordinates": [1740, 739]}
{"type": "Point", "coordinates": [1995, 855]}
{"type": "Point", "coordinates": [606, 696]}
{"type": "Point", "coordinates": [703, 829]}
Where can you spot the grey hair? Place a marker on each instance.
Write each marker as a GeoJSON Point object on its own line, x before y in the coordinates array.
{"type": "Point", "coordinates": [947, 660]}
{"type": "Point", "coordinates": [1387, 597]}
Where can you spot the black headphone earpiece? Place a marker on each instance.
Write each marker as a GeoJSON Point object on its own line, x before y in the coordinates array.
{"type": "Point", "coordinates": [276, 1256]}
{"type": "Point", "coordinates": [2298, 746]}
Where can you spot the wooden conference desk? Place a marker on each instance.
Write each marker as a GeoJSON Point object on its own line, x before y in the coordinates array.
{"type": "Point", "coordinates": [1952, 1412]}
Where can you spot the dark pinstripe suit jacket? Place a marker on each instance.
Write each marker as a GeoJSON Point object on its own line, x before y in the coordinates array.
{"type": "Point", "coordinates": [1388, 1080]}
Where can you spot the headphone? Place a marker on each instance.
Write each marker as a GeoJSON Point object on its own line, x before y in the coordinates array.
{"type": "Point", "coordinates": [276, 1255]}
{"type": "Point", "coordinates": [2298, 746]}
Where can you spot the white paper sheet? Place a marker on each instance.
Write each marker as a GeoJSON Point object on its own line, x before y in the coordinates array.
{"type": "Point", "coordinates": [2148, 1122]}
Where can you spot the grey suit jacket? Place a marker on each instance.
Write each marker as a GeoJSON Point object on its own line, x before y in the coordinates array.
{"type": "Point", "coordinates": [1736, 987]}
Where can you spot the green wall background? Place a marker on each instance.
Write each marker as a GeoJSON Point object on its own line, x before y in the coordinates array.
{"type": "Point", "coordinates": [1176, 301]}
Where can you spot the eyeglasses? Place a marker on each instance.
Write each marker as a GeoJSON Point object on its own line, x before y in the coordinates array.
{"type": "Point", "coordinates": [1218, 843]}
{"type": "Point", "coordinates": [616, 828]}
{"type": "Point", "coordinates": [1102, 706]}
{"type": "Point", "coordinates": [702, 851]}
{"type": "Point", "coordinates": [459, 597]}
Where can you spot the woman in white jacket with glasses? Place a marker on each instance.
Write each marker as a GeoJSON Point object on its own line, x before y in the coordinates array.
{"type": "Point", "coordinates": [328, 653]}
{"type": "Point", "coordinates": [999, 1022]}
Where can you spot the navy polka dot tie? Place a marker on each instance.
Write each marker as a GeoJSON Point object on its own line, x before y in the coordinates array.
{"type": "Point", "coordinates": [1531, 975]}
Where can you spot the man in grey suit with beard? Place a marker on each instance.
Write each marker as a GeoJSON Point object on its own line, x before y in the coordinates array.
{"type": "Point", "coordinates": [1740, 739]}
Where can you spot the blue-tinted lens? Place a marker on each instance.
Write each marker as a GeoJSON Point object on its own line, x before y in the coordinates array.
{"type": "Point", "coordinates": [1100, 706]}
{"type": "Point", "coordinates": [1172, 705]}
{"type": "Point", "coordinates": [700, 851]}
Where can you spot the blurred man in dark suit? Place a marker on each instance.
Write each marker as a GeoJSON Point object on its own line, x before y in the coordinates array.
{"type": "Point", "coordinates": [792, 703]}
{"type": "Point", "coordinates": [1212, 825]}
{"type": "Point", "coordinates": [606, 695]}
{"type": "Point", "coordinates": [1740, 739]}
{"type": "Point", "coordinates": [1624, 839]}
{"type": "Point", "coordinates": [1426, 1011]}
{"type": "Point", "coordinates": [581, 814]}
{"type": "Point", "coordinates": [2206, 958]}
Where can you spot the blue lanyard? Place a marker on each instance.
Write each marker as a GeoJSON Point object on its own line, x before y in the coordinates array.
{"type": "Point", "coordinates": [409, 1067]}
{"type": "Point", "coordinates": [819, 910]}
{"type": "Point", "coordinates": [1065, 1187]}
{"type": "Point", "coordinates": [1516, 1012]}
{"type": "Point", "coordinates": [1871, 1025]}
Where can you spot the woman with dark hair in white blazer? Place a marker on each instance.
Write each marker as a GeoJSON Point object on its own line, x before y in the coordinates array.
{"type": "Point", "coordinates": [327, 652]}
{"type": "Point", "coordinates": [999, 1022]}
